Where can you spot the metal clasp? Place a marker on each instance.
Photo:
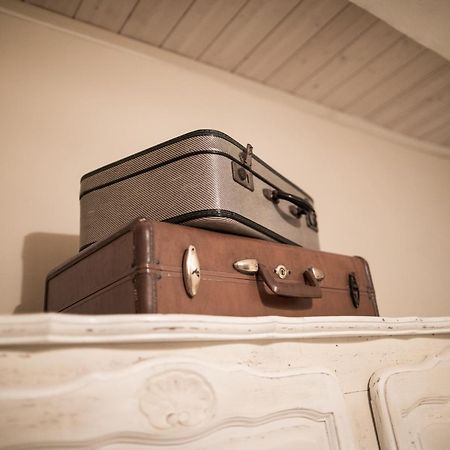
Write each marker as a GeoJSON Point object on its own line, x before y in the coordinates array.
{"type": "Point", "coordinates": [191, 271]}
{"type": "Point", "coordinates": [247, 155]}
{"type": "Point", "coordinates": [317, 273]}
{"type": "Point", "coordinates": [282, 271]}
{"type": "Point", "coordinates": [247, 266]}
{"type": "Point", "coordinates": [240, 174]}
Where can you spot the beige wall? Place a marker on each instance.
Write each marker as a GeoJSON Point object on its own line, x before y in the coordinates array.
{"type": "Point", "coordinates": [72, 101]}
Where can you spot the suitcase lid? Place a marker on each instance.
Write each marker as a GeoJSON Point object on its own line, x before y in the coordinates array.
{"type": "Point", "coordinates": [203, 141]}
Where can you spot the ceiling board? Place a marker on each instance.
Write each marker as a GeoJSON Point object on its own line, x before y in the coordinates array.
{"type": "Point", "coordinates": [152, 21]}
{"type": "Point", "coordinates": [431, 106]}
{"type": "Point", "coordinates": [340, 31]}
{"type": "Point", "coordinates": [374, 73]}
{"type": "Point", "coordinates": [375, 40]}
{"type": "Point", "coordinates": [66, 7]}
{"type": "Point", "coordinates": [440, 135]}
{"type": "Point", "coordinates": [428, 128]}
{"type": "Point", "coordinates": [397, 84]}
{"type": "Point", "coordinates": [201, 25]}
{"type": "Point", "coordinates": [250, 26]}
{"type": "Point", "coordinates": [105, 13]}
{"type": "Point", "coordinates": [284, 40]}
{"type": "Point", "coordinates": [331, 52]}
{"type": "Point", "coordinates": [428, 92]}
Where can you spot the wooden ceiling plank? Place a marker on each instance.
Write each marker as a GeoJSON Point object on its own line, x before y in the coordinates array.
{"type": "Point", "coordinates": [426, 111]}
{"type": "Point", "coordinates": [340, 31]}
{"type": "Point", "coordinates": [398, 83]}
{"type": "Point", "coordinates": [153, 20]}
{"type": "Point", "coordinates": [374, 73]}
{"type": "Point", "coordinates": [201, 25]}
{"type": "Point", "coordinates": [105, 13]}
{"type": "Point", "coordinates": [377, 39]}
{"type": "Point", "coordinates": [251, 25]}
{"type": "Point", "coordinates": [439, 135]}
{"type": "Point", "coordinates": [287, 37]}
{"type": "Point", "coordinates": [65, 7]}
{"type": "Point", "coordinates": [428, 94]}
{"type": "Point", "coordinates": [426, 129]}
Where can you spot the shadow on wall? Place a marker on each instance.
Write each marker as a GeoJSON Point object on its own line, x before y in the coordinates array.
{"type": "Point", "coordinates": [41, 253]}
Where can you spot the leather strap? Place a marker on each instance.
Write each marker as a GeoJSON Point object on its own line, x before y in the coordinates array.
{"type": "Point", "coordinates": [290, 288]}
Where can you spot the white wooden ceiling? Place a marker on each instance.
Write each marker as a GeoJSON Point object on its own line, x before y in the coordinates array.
{"type": "Point", "coordinates": [328, 51]}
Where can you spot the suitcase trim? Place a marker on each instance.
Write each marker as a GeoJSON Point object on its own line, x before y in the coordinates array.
{"type": "Point", "coordinates": [182, 157]}
{"type": "Point", "coordinates": [221, 213]}
{"type": "Point", "coordinates": [202, 132]}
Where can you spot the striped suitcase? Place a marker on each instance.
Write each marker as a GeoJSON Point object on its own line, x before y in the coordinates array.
{"type": "Point", "coordinates": [204, 179]}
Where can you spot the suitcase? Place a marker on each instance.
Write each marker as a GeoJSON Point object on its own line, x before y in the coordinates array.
{"type": "Point", "coordinates": [204, 179]}
{"type": "Point", "coordinates": [158, 267]}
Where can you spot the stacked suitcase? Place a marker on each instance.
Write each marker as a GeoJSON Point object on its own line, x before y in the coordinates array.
{"type": "Point", "coordinates": [201, 225]}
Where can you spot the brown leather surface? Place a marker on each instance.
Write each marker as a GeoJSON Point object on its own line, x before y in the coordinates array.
{"type": "Point", "coordinates": [90, 271]}
{"type": "Point", "coordinates": [157, 283]}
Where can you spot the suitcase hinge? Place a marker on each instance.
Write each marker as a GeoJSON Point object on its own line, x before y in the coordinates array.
{"type": "Point", "coordinates": [240, 174]}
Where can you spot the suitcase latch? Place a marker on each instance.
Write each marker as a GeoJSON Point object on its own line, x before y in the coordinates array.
{"type": "Point", "coordinates": [240, 173]}
{"type": "Point", "coordinates": [191, 271]}
{"type": "Point", "coordinates": [247, 155]}
{"type": "Point", "coordinates": [274, 279]}
{"type": "Point", "coordinates": [247, 266]}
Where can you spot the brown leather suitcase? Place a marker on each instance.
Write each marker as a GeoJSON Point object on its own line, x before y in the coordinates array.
{"type": "Point", "coordinates": [156, 267]}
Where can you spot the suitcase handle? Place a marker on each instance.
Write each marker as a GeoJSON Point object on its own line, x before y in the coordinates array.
{"type": "Point", "coordinates": [302, 206]}
{"type": "Point", "coordinates": [290, 288]}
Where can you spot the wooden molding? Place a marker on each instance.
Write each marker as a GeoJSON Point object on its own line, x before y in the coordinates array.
{"type": "Point", "coordinates": [55, 328]}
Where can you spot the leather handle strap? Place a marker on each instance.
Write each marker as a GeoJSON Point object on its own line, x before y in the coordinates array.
{"type": "Point", "coordinates": [290, 288]}
{"type": "Point", "coordinates": [275, 195]}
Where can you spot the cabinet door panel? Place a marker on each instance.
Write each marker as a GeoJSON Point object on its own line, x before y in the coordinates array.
{"type": "Point", "coordinates": [411, 404]}
{"type": "Point", "coordinates": [174, 402]}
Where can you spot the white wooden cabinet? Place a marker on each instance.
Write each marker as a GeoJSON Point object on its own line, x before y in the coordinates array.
{"type": "Point", "coordinates": [202, 382]}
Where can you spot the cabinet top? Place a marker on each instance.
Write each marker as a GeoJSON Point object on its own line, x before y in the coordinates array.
{"type": "Point", "coordinates": [38, 329]}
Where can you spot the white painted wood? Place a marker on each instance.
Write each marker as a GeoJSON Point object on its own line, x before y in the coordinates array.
{"type": "Point", "coordinates": [361, 417]}
{"type": "Point", "coordinates": [201, 25]}
{"type": "Point", "coordinates": [401, 81]}
{"type": "Point", "coordinates": [178, 402]}
{"type": "Point", "coordinates": [105, 13]}
{"type": "Point", "coordinates": [375, 40]}
{"type": "Point", "coordinates": [411, 404]}
{"type": "Point", "coordinates": [339, 32]}
{"type": "Point", "coordinates": [67, 328]}
{"type": "Point", "coordinates": [65, 7]}
{"type": "Point", "coordinates": [255, 20]}
{"type": "Point", "coordinates": [152, 21]}
{"type": "Point", "coordinates": [428, 96]}
{"type": "Point", "coordinates": [296, 29]}
{"type": "Point", "coordinates": [199, 382]}
{"type": "Point", "coordinates": [374, 73]}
